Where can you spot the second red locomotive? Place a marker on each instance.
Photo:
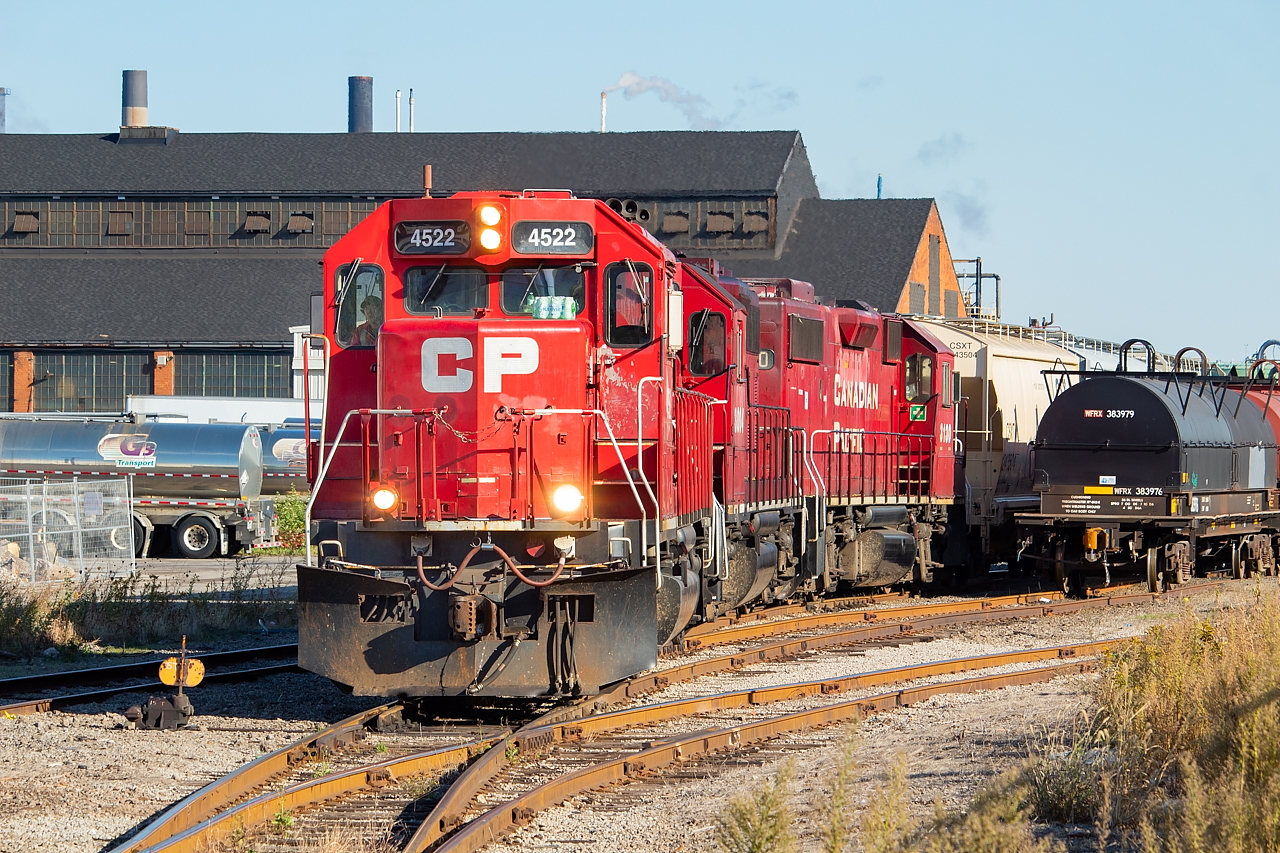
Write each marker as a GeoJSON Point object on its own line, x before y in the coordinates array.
{"type": "Point", "coordinates": [550, 445]}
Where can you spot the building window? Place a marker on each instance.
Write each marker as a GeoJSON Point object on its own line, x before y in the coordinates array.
{"type": "Point", "coordinates": [119, 223]}
{"type": "Point", "coordinates": [233, 374]}
{"type": "Point", "coordinates": [197, 222]}
{"type": "Point", "coordinates": [6, 382]}
{"type": "Point", "coordinates": [257, 222]}
{"type": "Point", "coordinates": [953, 303]}
{"type": "Point", "coordinates": [89, 381]}
{"type": "Point", "coordinates": [164, 222]}
{"type": "Point", "coordinates": [26, 222]}
{"type": "Point", "coordinates": [915, 298]}
{"type": "Point", "coordinates": [300, 223]}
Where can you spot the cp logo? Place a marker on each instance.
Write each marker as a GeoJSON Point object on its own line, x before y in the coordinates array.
{"type": "Point", "coordinates": [502, 357]}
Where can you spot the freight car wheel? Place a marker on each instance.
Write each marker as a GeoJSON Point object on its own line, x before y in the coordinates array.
{"type": "Point", "coordinates": [1155, 577]}
{"type": "Point", "coordinates": [195, 537]}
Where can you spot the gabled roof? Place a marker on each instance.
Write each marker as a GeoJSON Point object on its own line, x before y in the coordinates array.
{"type": "Point", "coordinates": [859, 248]}
{"type": "Point", "coordinates": [380, 164]}
{"type": "Point", "coordinates": [156, 299]}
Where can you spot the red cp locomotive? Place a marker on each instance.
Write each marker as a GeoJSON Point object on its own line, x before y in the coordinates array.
{"type": "Point", "coordinates": [550, 445]}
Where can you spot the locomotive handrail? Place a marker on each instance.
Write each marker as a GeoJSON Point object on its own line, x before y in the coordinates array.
{"type": "Point", "coordinates": [617, 449]}
{"type": "Point", "coordinates": [657, 507]}
{"type": "Point", "coordinates": [333, 451]}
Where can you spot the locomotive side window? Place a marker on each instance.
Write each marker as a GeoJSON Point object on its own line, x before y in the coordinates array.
{"type": "Point", "coordinates": [946, 385]}
{"type": "Point", "coordinates": [706, 343]}
{"type": "Point", "coordinates": [451, 291]}
{"type": "Point", "coordinates": [359, 303]}
{"type": "Point", "coordinates": [919, 384]}
{"type": "Point", "coordinates": [628, 304]}
{"type": "Point", "coordinates": [547, 294]}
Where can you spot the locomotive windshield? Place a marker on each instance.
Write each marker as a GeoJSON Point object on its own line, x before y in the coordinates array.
{"type": "Point", "coordinates": [545, 293]}
{"type": "Point", "coordinates": [360, 309]}
{"type": "Point", "coordinates": [706, 343]}
{"type": "Point", "coordinates": [628, 304]}
{"type": "Point", "coordinates": [919, 384]}
{"type": "Point", "coordinates": [451, 291]}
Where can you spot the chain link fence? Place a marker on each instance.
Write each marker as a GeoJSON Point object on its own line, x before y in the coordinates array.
{"type": "Point", "coordinates": [54, 530]}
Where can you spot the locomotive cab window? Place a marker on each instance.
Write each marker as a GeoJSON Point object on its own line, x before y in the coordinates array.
{"type": "Point", "coordinates": [706, 343]}
{"type": "Point", "coordinates": [359, 302]}
{"type": "Point", "coordinates": [628, 304]}
{"type": "Point", "coordinates": [919, 379]}
{"type": "Point", "coordinates": [947, 389]}
{"type": "Point", "coordinates": [443, 289]}
{"type": "Point", "coordinates": [554, 293]}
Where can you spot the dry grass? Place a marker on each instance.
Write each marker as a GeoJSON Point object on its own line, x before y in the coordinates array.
{"type": "Point", "coordinates": [759, 822]}
{"type": "Point", "coordinates": [137, 610]}
{"type": "Point", "coordinates": [1183, 753]}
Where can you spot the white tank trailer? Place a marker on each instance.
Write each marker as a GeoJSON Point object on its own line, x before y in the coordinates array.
{"type": "Point", "coordinates": [199, 483]}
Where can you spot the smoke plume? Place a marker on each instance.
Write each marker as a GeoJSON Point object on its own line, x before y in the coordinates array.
{"type": "Point", "coordinates": [693, 106]}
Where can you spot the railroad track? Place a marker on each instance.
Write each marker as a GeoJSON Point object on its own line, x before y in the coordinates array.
{"type": "Point", "coordinates": [217, 671]}
{"type": "Point", "coordinates": [443, 799]}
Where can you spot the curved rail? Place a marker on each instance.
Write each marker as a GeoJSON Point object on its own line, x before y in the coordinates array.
{"type": "Point", "coordinates": [217, 795]}
{"type": "Point", "coordinates": [507, 816]}
{"type": "Point", "coordinates": [181, 827]}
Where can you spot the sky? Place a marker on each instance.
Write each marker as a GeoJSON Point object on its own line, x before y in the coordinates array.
{"type": "Point", "coordinates": [1113, 162]}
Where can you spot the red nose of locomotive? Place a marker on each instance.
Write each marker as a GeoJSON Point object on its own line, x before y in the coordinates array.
{"type": "Point", "coordinates": [498, 431]}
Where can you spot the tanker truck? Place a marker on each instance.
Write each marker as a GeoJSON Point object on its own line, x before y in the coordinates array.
{"type": "Point", "coordinates": [198, 484]}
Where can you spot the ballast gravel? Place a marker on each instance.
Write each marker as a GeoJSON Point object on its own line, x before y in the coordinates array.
{"type": "Point", "coordinates": [80, 782]}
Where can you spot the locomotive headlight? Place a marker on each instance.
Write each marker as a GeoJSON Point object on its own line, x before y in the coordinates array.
{"type": "Point", "coordinates": [490, 216]}
{"type": "Point", "coordinates": [490, 239]}
{"type": "Point", "coordinates": [566, 498]}
{"type": "Point", "coordinates": [384, 498]}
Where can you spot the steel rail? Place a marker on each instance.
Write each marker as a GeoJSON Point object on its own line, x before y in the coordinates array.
{"type": "Point", "coordinates": [185, 818]}
{"type": "Point", "coordinates": [750, 631]}
{"type": "Point", "coordinates": [51, 703]}
{"type": "Point", "coordinates": [203, 804]}
{"type": "Point", "coordinates": [502, 818]}
{"type": "Point", "coordinates": [261, 808]}
{"type": "Point", "coordinates": [445, 817]}
{"type": "Point", "coordinates": [111, 674]}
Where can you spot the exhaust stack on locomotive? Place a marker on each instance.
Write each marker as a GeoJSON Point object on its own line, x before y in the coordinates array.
{"type": "Point", "coordinates": [550, 446]}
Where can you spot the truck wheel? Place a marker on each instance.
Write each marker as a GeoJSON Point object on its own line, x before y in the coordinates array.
{"type": "Point", "coordinates": [195, 537]}
{"type": "Point", "coordinates": [139, 539]}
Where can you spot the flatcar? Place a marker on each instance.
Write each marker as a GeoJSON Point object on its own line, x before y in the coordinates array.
{"type": "Point", "coordinates": [1163, 474]}
{"type": "Point", "coordinates": [550, 445]}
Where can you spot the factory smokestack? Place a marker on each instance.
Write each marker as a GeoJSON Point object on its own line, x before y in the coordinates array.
{"type": "Point", "coordinates": [3, 92]}
{"type": "Point", "coordinates": [133, 112]}
{"type": "Point", "coordinates": [359, 105]}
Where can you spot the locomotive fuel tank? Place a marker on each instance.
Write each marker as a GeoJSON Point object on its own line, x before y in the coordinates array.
{"type": "Point", "coordinates": [222, 461]}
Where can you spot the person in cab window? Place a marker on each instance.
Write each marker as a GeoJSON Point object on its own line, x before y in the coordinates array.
{"type": "Point", "coordinates": [366, 334]}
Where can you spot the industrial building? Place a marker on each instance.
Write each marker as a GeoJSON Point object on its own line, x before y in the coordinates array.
{"type": "Point", "coordinates": [149, 261]}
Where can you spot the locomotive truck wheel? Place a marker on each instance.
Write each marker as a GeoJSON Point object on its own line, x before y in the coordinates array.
{"type": "Point", "coordinates": [195, 537]}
